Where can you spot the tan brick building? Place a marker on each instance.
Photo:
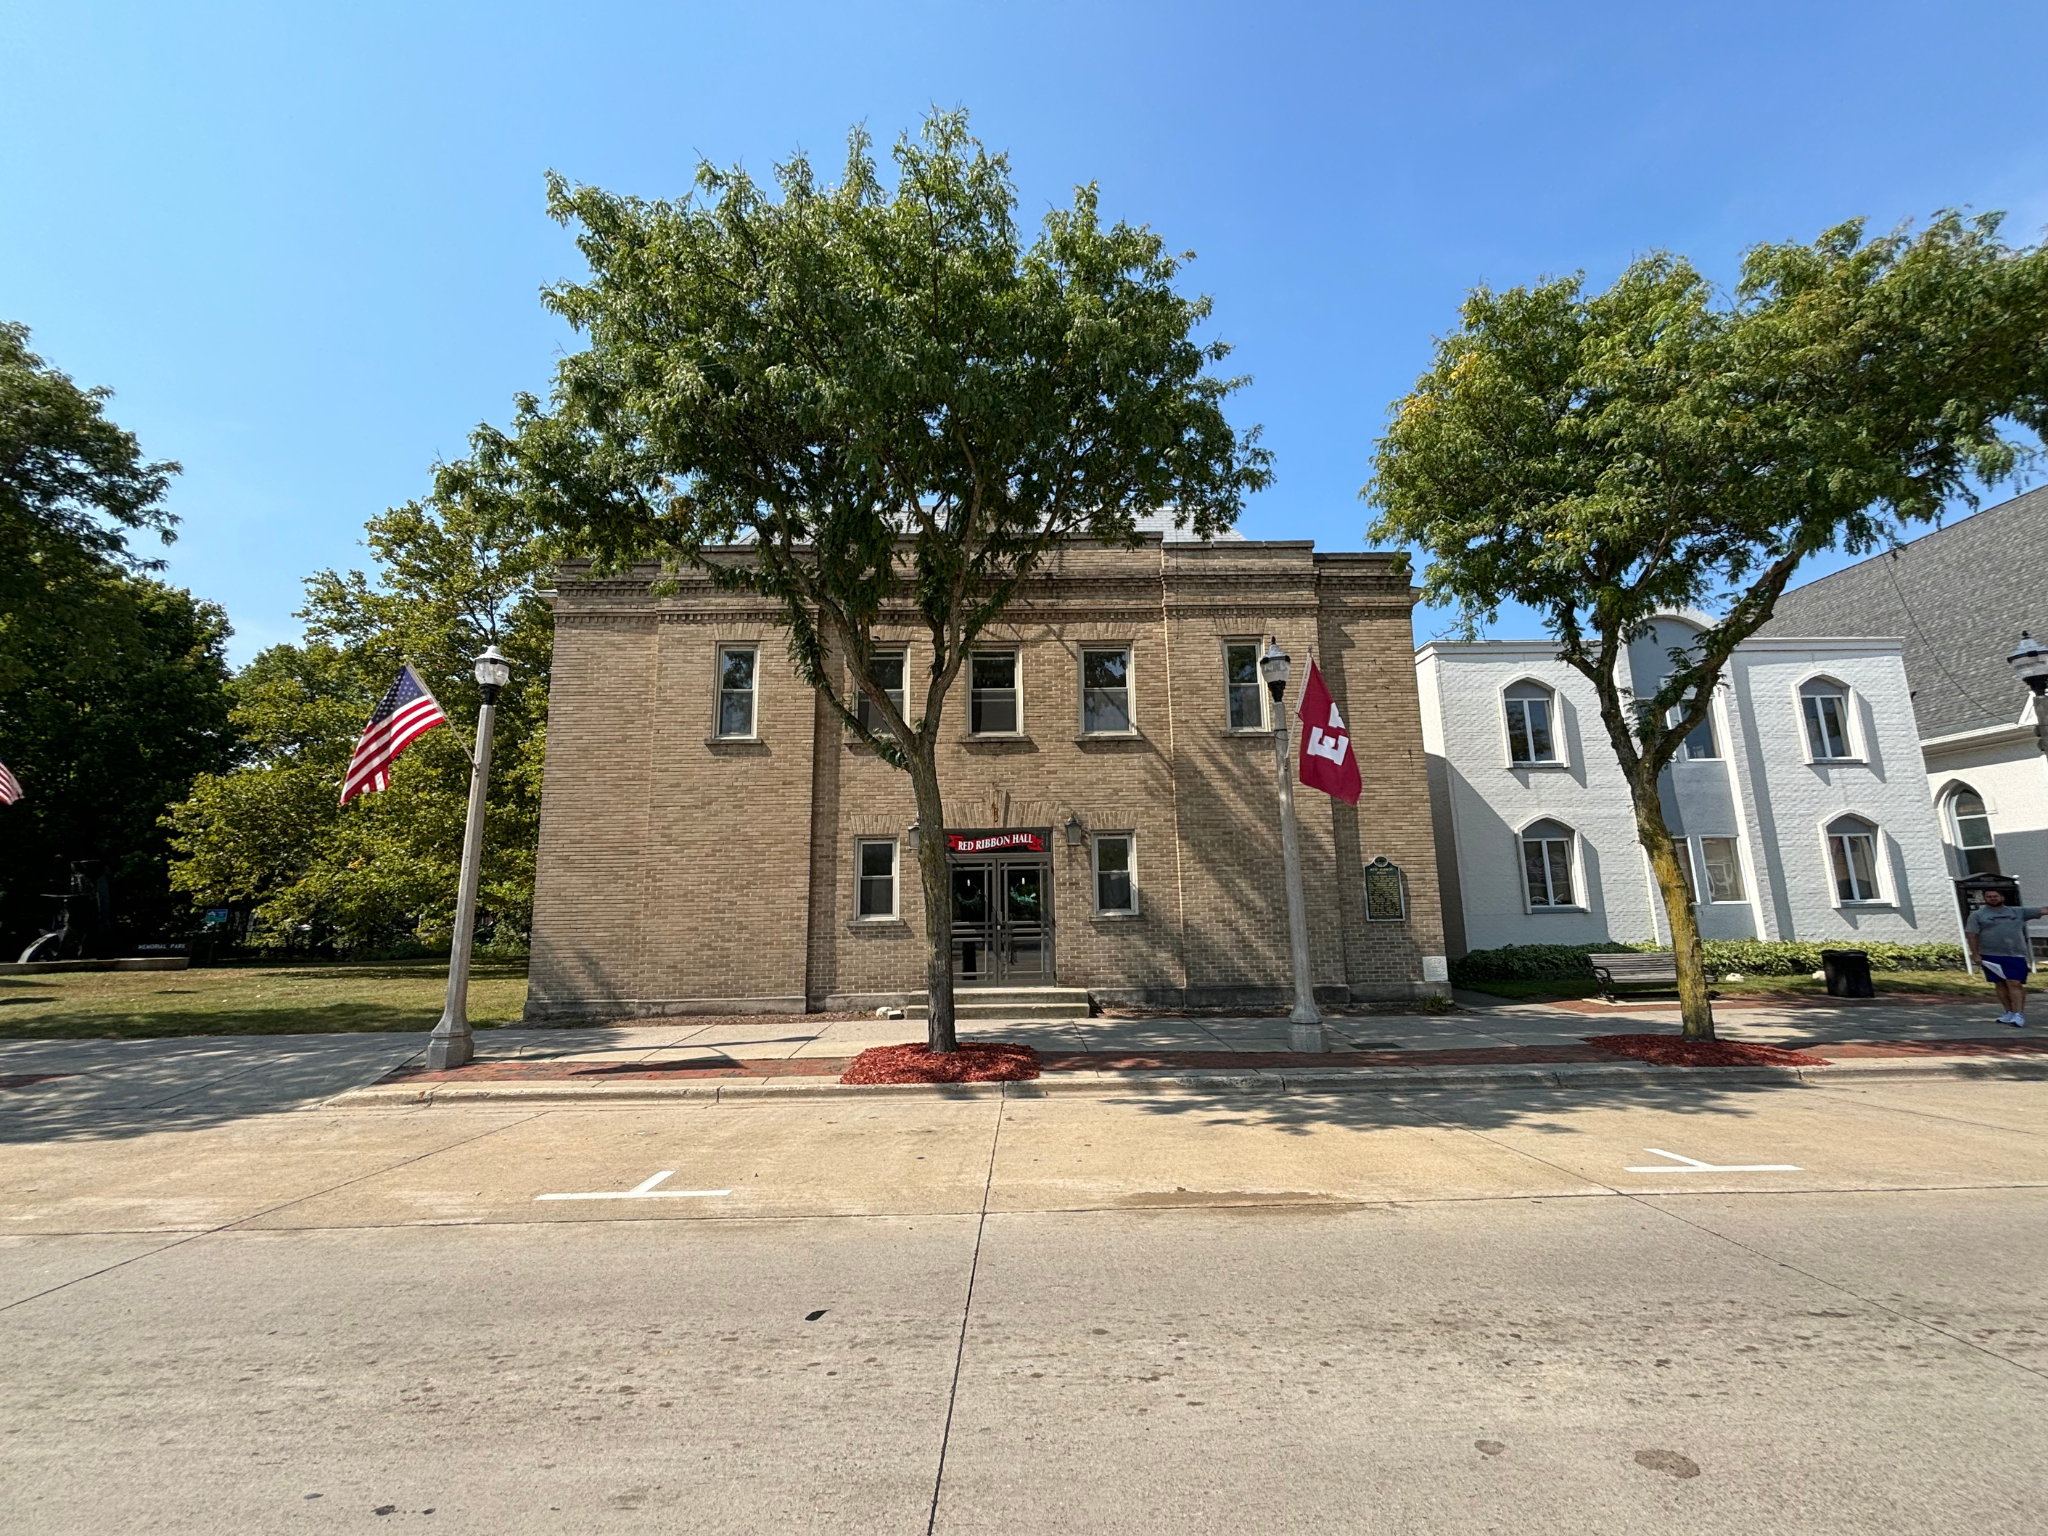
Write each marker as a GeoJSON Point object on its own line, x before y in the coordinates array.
{"type": "Point", "coordinates": [713, 839]}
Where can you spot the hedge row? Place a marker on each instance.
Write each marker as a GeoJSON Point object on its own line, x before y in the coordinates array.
{"type": "Point", "coordinates": [1747, 957]}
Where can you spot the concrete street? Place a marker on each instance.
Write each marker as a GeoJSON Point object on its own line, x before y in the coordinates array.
{"type": "Point", "coordinates": [1394, 1311]}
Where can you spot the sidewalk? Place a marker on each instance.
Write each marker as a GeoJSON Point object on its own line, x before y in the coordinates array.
{"type": "Point", "coordinates": [1484, 1043]}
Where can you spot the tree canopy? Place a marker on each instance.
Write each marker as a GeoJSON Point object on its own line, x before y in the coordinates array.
{"type": "Point", "coordinates": [895, 403]}
{"type": "Point", "coordinates": [455, 574]}
{"type": "Point", "coordinates": [1603, 458]}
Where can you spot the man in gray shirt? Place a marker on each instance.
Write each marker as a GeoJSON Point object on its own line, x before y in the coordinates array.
{"type": "Point", "coordinates": [1998, 942]}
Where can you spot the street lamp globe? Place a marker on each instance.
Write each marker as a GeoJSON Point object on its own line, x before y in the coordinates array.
{"type": "Point", "coordinates": [1274, 667]}
{"type": "Point", "coordinates": [493, 672]}
{"type": "Point", "coordinates": [2030, 663]}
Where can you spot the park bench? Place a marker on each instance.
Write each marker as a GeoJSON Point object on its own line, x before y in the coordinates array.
{"type": "Point", "coordinates": [1658, 969]}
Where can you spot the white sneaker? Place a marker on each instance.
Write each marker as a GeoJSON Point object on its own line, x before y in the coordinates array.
{"type": "Point", "coordinates": [2006, 1018]}
{"type": "Point", "coordinates": [2018, 1021]}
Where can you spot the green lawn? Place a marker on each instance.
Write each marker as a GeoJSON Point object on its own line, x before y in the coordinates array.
{"type": "Point", "coordinates": [1925, 983]}
{"type": "Point", "coordinates": [314, 999]}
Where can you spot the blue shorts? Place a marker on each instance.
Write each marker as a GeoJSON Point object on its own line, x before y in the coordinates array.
{"type": "Point", "coordinates": [2005, 968]}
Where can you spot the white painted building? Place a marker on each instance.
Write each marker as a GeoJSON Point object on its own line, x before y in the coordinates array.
{"type": "Point", "coordinates": [1801, 805]}
{"type": "Point", "coordinates": [1961, 595]}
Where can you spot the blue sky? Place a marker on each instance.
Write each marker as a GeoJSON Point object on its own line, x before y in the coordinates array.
{"type": "Point", "coordinates": [304, 244]}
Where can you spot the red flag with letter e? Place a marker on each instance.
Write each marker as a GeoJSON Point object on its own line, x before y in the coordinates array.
{"type": "Point", "coordinates": [1327, 761]}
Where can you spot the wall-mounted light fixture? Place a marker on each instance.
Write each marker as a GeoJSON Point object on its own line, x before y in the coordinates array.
{"type": "Point", "coordinates": [1076, 833]}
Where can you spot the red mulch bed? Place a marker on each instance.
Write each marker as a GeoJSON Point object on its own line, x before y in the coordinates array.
{"type": "Point", "coordinates": [977, 1063]}
{"type": "Point", "coordinates": [1677, 1051]}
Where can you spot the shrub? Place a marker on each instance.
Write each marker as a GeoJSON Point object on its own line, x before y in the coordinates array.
{"type": "Point", "coordinates": [1748, 957]}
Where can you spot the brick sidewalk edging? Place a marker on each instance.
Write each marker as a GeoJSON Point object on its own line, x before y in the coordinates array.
{"type": "Point", "coordinates": [1184, 1071]}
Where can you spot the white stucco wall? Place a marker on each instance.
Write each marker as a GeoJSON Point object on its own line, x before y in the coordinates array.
{"type": "Point", "coordinates": [1796, 797]}
{"type": "Point", "coordinates": [1762, 791]}
{"type": "Point", "coordinates": [1488, 801]}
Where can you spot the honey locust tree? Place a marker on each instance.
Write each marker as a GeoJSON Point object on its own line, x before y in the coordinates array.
{"type": "Point", "coordinates": [1604, 458]}
{"type": "Point", "coordinates": [895, 403]}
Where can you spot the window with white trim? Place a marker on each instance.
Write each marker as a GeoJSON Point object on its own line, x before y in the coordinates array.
{"type": "Point", "coordinates": [1852, 859]}
{"type": "Point", "coordinates": [886, 668]}
{"type": "Point", "coordinates": [1547, 849]}
{"type": "Point", "coordinates": [1116, 875]}
{"type": "Point", "coordinates": [1106, 691]}
{"type": "Point", "coordinates": [737, 666]}
{"type": "Point", "coordinates": [1531, 721]}
{"type": "Point", "coordinates": [1245, 689]}
{"type": "Point", "coordinates": [875, 859]}
{"type": "Point", "coordinates": [1824, 705]}
{"type": "Point", "coordinates": [1700, 742]}
{"type": "Point", "coordinates": [1721, 858]}
{"type": "Point", "coordinates": [1969, 827]}
{"type": "Point", "coordinates": [992, 694]}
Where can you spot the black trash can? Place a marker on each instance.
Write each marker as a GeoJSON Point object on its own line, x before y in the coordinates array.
{"type": "Point", "coordinates": [1848, 972]}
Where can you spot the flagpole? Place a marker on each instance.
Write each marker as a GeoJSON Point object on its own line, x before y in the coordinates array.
{"type": "Point", "coordinates": [452, 1043]}
{"type": "Point", "coordinates": [1306, 1021]}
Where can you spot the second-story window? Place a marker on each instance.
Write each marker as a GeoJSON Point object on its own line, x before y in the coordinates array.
{"type": "Point", "coordinates": [1247, 692]}
{"type": "Point", "coordinates": [1531, 736]}
{"type": "Point", "coordinates": [736, 666]}
{"type": "Point", "coordinates": [1825, 705]}
{"type": "Point", "coordinates": [992, 693]}
{"type": "Point", "coordinates": [886, 667]}
{"type": "Point", "coordinates": [1701, 741]}
{"type": "Point", "coordinates": [1106, 692]}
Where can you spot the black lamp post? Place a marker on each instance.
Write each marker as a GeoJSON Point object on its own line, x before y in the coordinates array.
{"type": "Point", "coordinates": [2029, 662]}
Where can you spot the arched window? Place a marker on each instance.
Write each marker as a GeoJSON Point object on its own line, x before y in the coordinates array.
{"type": "Point", "coordinates": [1969, 828]}
{"type": "Point", "coordinates": [1547, 848]}
{"type": "Point", "coordinates": [1852, 858]}
{"type": "Point", "coordinates": [1824, 705]}
{"type": "Point", "coordinates": [1532, 724]}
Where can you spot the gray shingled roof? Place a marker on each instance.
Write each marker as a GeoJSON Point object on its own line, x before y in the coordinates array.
{"type": "Point", "coordinates": [1958, 597]}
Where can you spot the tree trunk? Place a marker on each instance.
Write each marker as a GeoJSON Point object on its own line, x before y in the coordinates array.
{"type": "Point", "coordinates": [1695, 1009]}
{"type": "Point", "coordinates": [936, 874]}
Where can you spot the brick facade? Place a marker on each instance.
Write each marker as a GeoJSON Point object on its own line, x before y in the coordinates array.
{"type": "Point", "coordinates": [683, 873]}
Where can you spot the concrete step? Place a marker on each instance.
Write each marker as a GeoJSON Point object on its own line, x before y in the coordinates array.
{"type": "Point", "coordinates": [1038, 1003]}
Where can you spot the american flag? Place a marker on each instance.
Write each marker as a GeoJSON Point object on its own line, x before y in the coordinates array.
{"type": "Point", "coordinates": [403, 713]}
{"type": "Point", "coordinates": [10, 786]}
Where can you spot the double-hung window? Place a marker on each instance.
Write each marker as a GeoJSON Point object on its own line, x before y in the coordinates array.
{"type": "Point", "coordinates": [992, 693]}
{"type": "Point", "coordinates": [1106, 692]}
{"type": "Point", "coordinates": [886, 667]}
{"type": "Point", "coordinates": [1547, 865]}
{"type": "Point", "coordinates": [1116, 882]}
{"type": "Point", "coordinates": [737, 665]}
{"type": "Point", "coordinates": [1723, 865]}
{"type": "Point", "coordinates": [1700, 742]}
{"type": "Point", "coordinates": [876, 861]}
{"type": "Point", "coordinates": [1825, 706]}
{"type": "Point", "coordinates": [1970, 824]}
{"type": "Point", "coordinates": [1852, 858]}
{"type": "Point", "coordinates": [1531, 736]}
{"type": "Point", "coordinates": [1245, 688]}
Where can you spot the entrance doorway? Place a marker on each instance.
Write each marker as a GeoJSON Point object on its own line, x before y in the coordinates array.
{"type": "Point", "coordinates": [1002, 909]}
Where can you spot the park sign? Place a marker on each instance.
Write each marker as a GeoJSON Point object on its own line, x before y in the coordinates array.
{"type": "Point", "coordinates": [995, 842]}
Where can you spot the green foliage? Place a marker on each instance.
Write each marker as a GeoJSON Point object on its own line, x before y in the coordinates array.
{"type": "Point", "coordinates": [379, 875]}
{"type": "Point", "coordinates": [112, 718]}
{"type": "Point", "coordinates": [72, 487]}
{"type": "Point", "coordinates": [1606, 458]}
{"type": "Point", "coordinates": [886, 393]}
{"type": "Point", "coordinates": [1747, 957]}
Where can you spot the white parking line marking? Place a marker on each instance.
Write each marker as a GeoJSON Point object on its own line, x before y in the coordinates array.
{"type": "Point", "coordinates": [645, 1191]}
{"type": "Point", "coordinates": [1680, 1163]}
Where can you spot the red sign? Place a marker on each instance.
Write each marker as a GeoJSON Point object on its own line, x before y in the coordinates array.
{"type": "Point", "coordinates": [992, 842]}
{"type": "Point", "coordinates": [1327, 761]}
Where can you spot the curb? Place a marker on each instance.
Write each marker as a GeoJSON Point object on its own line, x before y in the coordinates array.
{"type": "Point", "coordinates": [1288, 1080]}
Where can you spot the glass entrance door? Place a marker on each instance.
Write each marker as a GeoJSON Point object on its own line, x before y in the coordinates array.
{"type": "Point", "coordinates": [1002, 929]}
